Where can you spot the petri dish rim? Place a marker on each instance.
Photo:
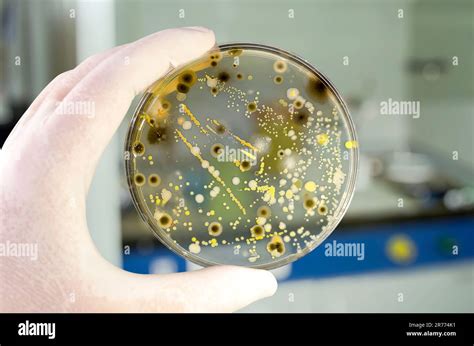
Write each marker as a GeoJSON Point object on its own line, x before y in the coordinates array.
{"type": "Point", "coordinates": [137, 195]}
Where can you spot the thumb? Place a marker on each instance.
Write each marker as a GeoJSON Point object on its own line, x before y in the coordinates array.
{"type": "Point", "coordinates": [213, 289]}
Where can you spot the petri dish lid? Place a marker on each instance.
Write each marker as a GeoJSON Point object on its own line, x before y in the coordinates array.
{"type": "Point", "coordinates": [246, 156]}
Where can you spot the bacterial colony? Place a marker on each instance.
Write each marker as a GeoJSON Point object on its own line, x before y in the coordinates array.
{"type": "Point", "coordinates": [245, 157]}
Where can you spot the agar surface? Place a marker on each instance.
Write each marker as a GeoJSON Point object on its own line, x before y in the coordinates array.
{"type": "Point", "coordinates": [241, 158]}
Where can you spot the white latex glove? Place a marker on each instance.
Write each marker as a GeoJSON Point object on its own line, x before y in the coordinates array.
{"type": "Point", "coordinates": [46, 167]}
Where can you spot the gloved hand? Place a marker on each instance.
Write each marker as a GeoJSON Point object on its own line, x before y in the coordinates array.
{"type": "Point", "coordinates": [46, 167]}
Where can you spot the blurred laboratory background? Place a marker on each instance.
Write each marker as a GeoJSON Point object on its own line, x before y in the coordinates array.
{"type": "Point", "coordinates": [413, 209]}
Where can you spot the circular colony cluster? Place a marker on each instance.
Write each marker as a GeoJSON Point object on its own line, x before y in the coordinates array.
{"type": "Point", "coordinates": [246, 156]}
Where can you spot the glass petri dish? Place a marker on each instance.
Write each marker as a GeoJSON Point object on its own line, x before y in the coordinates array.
{"type": "Point", "coordinates": [246, 156]}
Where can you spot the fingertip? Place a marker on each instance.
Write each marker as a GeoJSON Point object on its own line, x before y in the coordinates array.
{"type": "Point", "coordinates": [185, 44]}
{"type": "Point", "coordinates": [262, 282]}
{"type": "Point", "coordinates": [270, 281]}
{"type": "Point", "coordinates": [209, 35]}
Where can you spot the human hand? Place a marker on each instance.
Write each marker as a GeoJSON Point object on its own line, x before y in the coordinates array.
{"type": "Point", "coordinates": [46, 167]}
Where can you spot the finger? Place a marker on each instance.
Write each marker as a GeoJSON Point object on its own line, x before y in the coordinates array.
{"type": "Point", "coordinates": [213, 289]}
{"type": "Point", "coordinates": [65, 82]}
{"type": "Point", "coordinates": [111, 87]}
{"type": "Point", "coordinates": [56, 90]}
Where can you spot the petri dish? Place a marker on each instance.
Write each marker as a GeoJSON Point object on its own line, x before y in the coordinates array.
{"type": "Point", "coordinates": [246, 156]}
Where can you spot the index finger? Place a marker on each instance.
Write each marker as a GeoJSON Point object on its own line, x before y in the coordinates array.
{"type": "Point", "coordinates": [111, 87]}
